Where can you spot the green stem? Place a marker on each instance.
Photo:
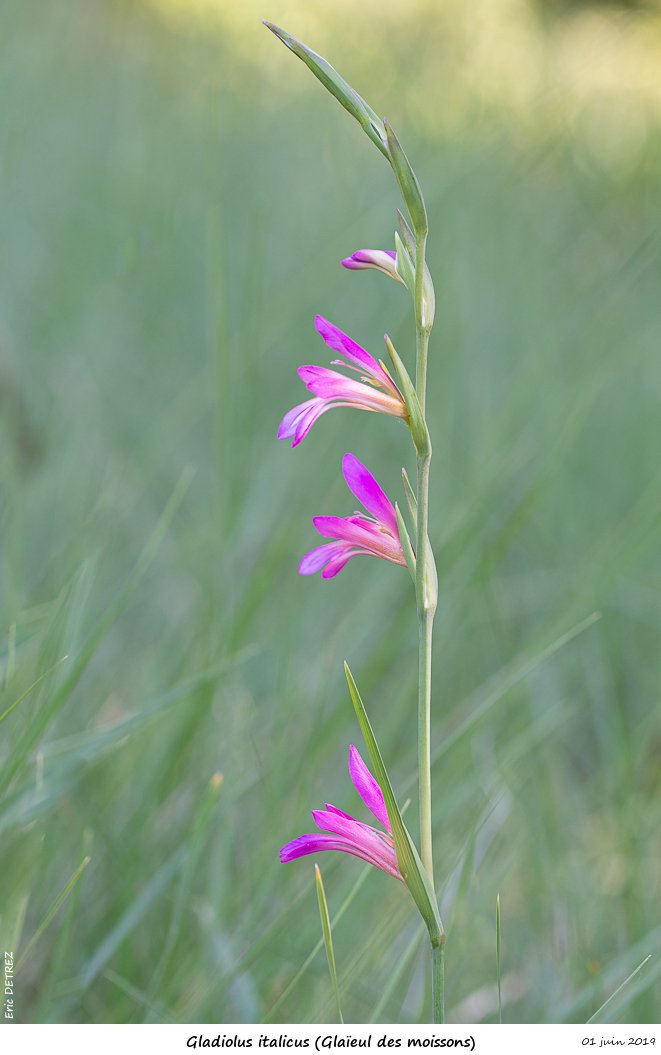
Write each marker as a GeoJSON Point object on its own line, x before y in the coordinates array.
{"type": "Point", "coordinates": [425, 625]}
{"type": "Point", "coordinates": [426, 607]}
{"type": "Point", "coordinates": [438, 982]}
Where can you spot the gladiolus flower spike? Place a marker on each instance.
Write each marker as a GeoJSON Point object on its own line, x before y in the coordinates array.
{"type": "Point", "coordinates": [339, 831]}
{"type": "Point", "coordinates": [376, 535]}
{"type": "Point", "coordinates": [331, 389]}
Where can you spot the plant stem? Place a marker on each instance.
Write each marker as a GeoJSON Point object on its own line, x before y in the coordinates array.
{"type": "Point", "coordinates": [425, 625]}
{"type": "Point", "coordinates": [426, 605]}
{"type": "Point", "coordinates": [438, 982]}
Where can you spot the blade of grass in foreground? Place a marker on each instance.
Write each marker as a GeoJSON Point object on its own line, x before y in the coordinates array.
{"type": "Point", "coordinates": [500, 1002]}
{"type": "Point", "coordinates": [199, 829]}
{"type": "Point", "coordinates": [130, 919]}
{"type": "Point", "coordinates": [619, 989]}
{"type": "Point", "coordinates": [396, 975]}
{"type": "Point", "coordinates": [42, 719]}
{"type": "Point", "coordinates": [53, 909]}
{"type": "Point", "coordinates": [135, 994]}
{"type": "Point", "coordinates": [59, 958]}
{"type": "Point", "coordinates": [296, 979]}
{"type": "Point", "coordinates": [500, 683]}
{"type": "Point", "coordinates": [33, 686]}
{"type": "Point", "coordinates": [328, 938]}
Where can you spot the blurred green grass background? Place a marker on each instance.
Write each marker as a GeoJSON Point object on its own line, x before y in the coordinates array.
{"type": "Point", "coordinates": [176, 193]}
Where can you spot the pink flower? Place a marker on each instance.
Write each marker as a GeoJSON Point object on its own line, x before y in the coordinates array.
{"type": "Point", "coordinates": [379, 259]}
{"type": "Point", "coordinates": [342, 832]}
{"type": "Point", "coordinates": [377, 535]}
{"type": "Point", "coordinates": [331, 389]}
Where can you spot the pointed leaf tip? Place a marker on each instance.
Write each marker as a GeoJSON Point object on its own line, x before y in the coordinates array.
{"type": "Point", "coordinates": [408, 183]}
{"type": "Point", "coordinates": [337, 86]}
{"type": "Point", "coordinates": [406, 543]}
{"type": "Point", "coordinates": [417, 423]}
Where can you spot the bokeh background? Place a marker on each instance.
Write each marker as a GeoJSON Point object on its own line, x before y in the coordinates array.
{"type": "Point", "coordinates": [176, 193]}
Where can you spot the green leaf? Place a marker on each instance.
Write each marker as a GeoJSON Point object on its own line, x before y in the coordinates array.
{"type": "Point", "coordinates": [411, 867]}
{"type": "Point", "coordinates": [337, 86]}
{"type": "Point", "coordinates": [407, 234]}
{"type": "Point", "coordinates": [408, 183]}
{"type": "Point", "coordinates": [406, 543]}
{"type": "Point", "coordinates": [407, 271]}
{"type": "Point", "coordinates": [196, 843]}
{"type": "Point", "coordinates": [405, 266]}
{"type": "Point", "coordinates": [297, 977]}
{"type": "Point", "coordinates": [619, 989]}
{"type": "Point", "coordinates": [33, 686]}
{"type": "Point", "coordinates": [328, 937]}
{"type": "Point", "coordinates": [53, 909]}
{"type": "Point", "coordinates": [500, 1003]}
{"type": "Point", "coordinates": [417, 423]}
{"type": "Point", "coordinates": [89, 647]}
{"type": "Point", "coordinates": [126, 923]}
{"type": "Point", "coordinates": [411, 502]}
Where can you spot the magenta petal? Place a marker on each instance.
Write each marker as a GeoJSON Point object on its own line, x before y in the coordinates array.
{"type": "Point", "coordinates": [290, 421]}
{"type": "Point", "coordinates": [316, 407]}
{"type": "Point", "coordinates": [343, 344]}
{"type": "Point", "coordinates": [340, 831]}
{"type": "Point", "coordinates": [340, 813]}
{"type": "Point", "coordinates": [367, 788]}
{"type": "Point", "coordinates": [374, 846]}
{"type": "Point", "coordinates": [329, 384]}
{"type": "Point", "coordinates": [311, 844]}
{"type": "Point", "coordinates": [337, 563]}
{"type": "Point", "coordinates": [315, 560]}
{"type": "Point", "coordinates": [362, 533]}
{"type": "Point", "coordinates": [368, 491]}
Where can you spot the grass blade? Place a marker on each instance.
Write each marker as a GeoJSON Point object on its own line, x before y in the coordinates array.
{"type": "Point", "coordinates": [130, 919]}
{"type": "Point", "coordinates": [33, 686]}
{"type": "Point", "coordinates": [53, 909]}
{"type": "Point", "coordinates": [135, 994]}
{"type": "Point", "coordinates": [618, 990]}
{"type": "Point", "coordinates": [42, 719]}
{"type": "Point", "coordinates": [200, 826]}
{"type": "Point", "coordinates": [500, 1003]}
{"type": "Point", "coordinates": [396, 975]}
{"type": "Point", "coordinates": [296, 979]}
{"type": "Point", "coordinates": [328, 938]}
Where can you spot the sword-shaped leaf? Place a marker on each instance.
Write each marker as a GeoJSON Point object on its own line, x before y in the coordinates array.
{"type": "Point", "coordinates": [408, 860]}
{"type": "Point", "coordinates": [337, 86]}
{"type": "Point", "coordinates": [416, 418]}
{"type": "Point", "coordinates": [408, 183]}
{"type": "Point", "coordinates": [406, 543]}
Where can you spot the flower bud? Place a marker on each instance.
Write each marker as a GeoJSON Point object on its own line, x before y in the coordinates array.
{"type": "Point", "coordinates": [378, 259]}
